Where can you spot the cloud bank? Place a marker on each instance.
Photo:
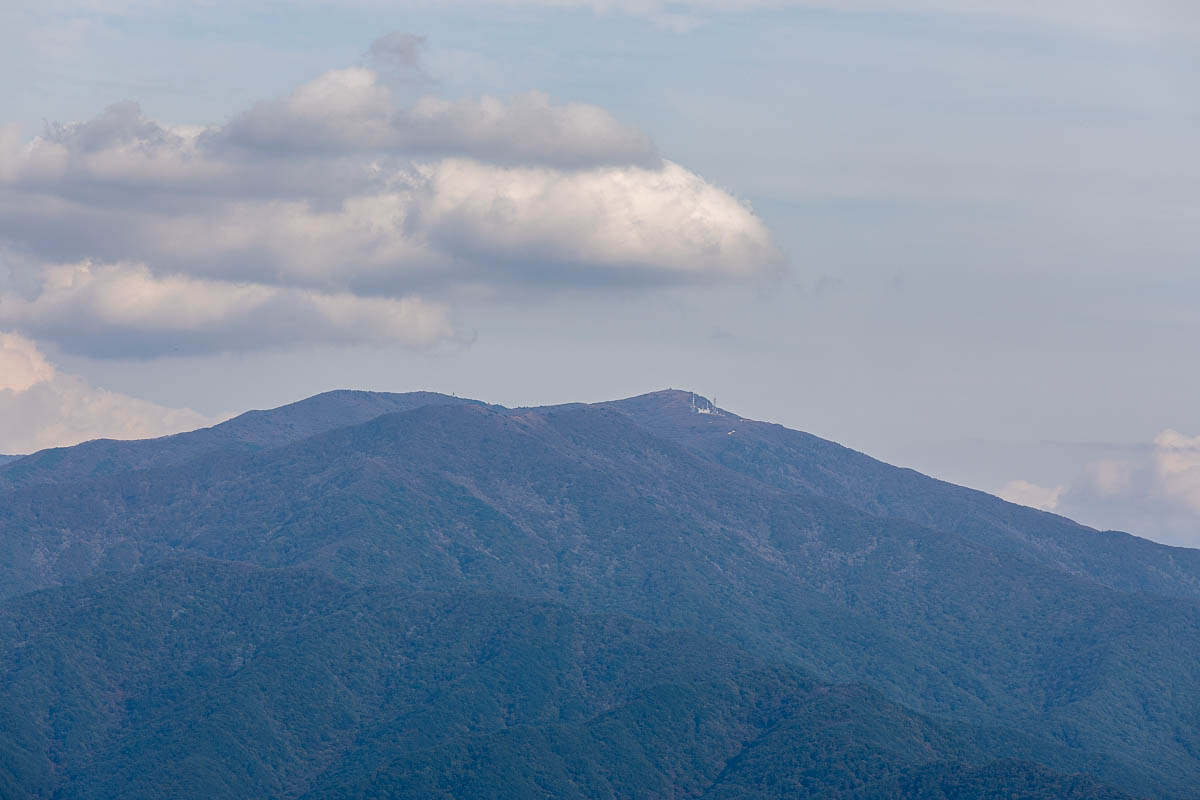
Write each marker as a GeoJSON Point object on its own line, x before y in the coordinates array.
{"type": "Point", "coordinates": [1176, 468]}
{"type": "Point", "coordinates": [41, 407]}
{"type": "Point", "coordinates": [122, 309]}
{"type": "Point", "coordinates": [336, 213]}
{"type": "Point", "coordinates": [350, 110]}
{"type": "Point", "coordinates": [1152, 491]}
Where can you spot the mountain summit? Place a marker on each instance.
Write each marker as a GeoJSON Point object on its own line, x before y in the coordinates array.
{"type": "Point", "coordinates": [375, 595]}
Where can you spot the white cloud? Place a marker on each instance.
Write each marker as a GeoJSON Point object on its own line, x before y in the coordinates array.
{"type": "Point", "coordinates": [353, 109]}
{"type": "Point", "coordinates": [41, 407]}
{"type": "Point", "coordinates": [435, 226]}
{"type": "Point", "coordinates": [316, 216]}
{"type": "Point", "coordinates": [1029, 494]}
{"type": "Point", "coordinates": [123, 309]}
{"type": "Point", "coordinates": [1110, 476]}
{"type": "Point", "coordinates": [21, 364]}
{"type": "Point", "coordinates": [124, 188]}
{"type": "Point", "coordinates": [608, 218]}
{"type": "Point", "coordinates": [120, 147]}
{"type": "Point", "coordinates": [1151, 490]}
{"type": "Point", "coordinates": [1166, 473]}
{"type": "Point", "coordinates": [1176, 465]}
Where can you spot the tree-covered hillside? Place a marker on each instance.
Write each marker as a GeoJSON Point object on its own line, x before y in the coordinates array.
{"type": "Point", "coordinates": [796, 461]}
{"type": "Point", "coordinates": [254, 430]}
{"type": "Point", "coordinates": [981, 630]}
{"type": "Point", "coordinates": [209, 680]}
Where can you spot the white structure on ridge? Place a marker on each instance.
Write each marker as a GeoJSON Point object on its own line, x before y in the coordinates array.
{"type": "Point", "coordinates": [709, 409]}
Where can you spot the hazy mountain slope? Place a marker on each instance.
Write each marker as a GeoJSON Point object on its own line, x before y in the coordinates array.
{"type": "Point", "coordinates": [5, 459]}
{"type": "Point", "coordinates": [254, 430]}
{"type": "Point", "coordinates": [790, 459]}
{"type": "Point", "coordinates": [582, 505]}
{"type": "Point", "coordinates": [205, 679]}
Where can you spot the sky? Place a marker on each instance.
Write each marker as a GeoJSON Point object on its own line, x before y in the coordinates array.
{"type": "Point", "coordinates": [958, 236]}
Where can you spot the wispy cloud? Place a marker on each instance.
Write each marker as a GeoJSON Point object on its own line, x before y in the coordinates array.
{"type": "Point", "coordinates": [354, 110]}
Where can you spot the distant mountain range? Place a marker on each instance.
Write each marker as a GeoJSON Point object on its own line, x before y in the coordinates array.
{"type": "Point", "coordinates": [415, 595]}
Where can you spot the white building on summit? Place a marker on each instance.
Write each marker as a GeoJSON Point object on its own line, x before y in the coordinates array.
{"type": "Point", "coordinates": [706, 407]}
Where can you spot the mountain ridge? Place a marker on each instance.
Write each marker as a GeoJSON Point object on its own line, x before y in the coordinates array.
{"type": "Point", "coordinates": [652, 510]}
{"type": "Point", "coordinates": [791, 459]}
{"type": "Point", "coordinates": [1071, 546]}
{"type": "Point", "coordinates": [249, 431]}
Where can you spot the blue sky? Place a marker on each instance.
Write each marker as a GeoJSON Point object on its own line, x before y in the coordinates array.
{"type": "Point", "coordinates": [957, 236]}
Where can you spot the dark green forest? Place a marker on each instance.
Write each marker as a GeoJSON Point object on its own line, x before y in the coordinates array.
{"type": "Point", "coordinates": [371, 596]}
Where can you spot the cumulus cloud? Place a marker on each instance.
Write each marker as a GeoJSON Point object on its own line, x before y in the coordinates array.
{"type": "Point", "coordinates": [119, 146]}
{"type": "Point", "coordinates": [41, 407]}
{"type": "Point", "coordinates": [1176, 467]}
{"type": "Point", "coordinates": [1110, 477]}
{"type": "Point", "coordinates": [122, 159]}
{"type": "Point", "coordinates": [1030, 494]}
{"type": "Point", "coordinates": [353, 109]}
{"type": "Point", "coordinates": [123, 187]}
{"type": "Point", "coordinates": [601, 220]}
{"type": "Point", "coordinates": [323, 214]}
{"type": "Point", "coordinates": [21, 364]}
{"type": "Point", "coordinates": [1151, 490]}
{"type": "Point", "coordinates": [124, 309]}
{"type": "Point", "coordinates": [448, 221]}
{"type": "Point", "coordinates": [1165, 474]}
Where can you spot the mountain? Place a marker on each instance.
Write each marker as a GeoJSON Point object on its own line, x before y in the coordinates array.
{"type": "Point", "coordinates": [210, 680]}
{"type": "Point", "coordinates": [985, 621]}
{"type": "Point", "coordinates": [797, 461]}
{"type": "Point", "coordinates": [249, 432]}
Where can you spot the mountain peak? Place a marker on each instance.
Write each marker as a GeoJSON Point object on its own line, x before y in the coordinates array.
{"type": "Point", "coordinates": [676, 410]}
{"type": "Point", "coordinates": [662, 508]}
{"type": "Point", "coordinates": [672, 400]}
{"type": "Point", "coordinates": [253, 430]}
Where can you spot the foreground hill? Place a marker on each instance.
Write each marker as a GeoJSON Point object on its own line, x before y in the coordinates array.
{"type": "Point", "coordinates": [809, 557]}
{"type": "Point", "coordinates": [199, 679]}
